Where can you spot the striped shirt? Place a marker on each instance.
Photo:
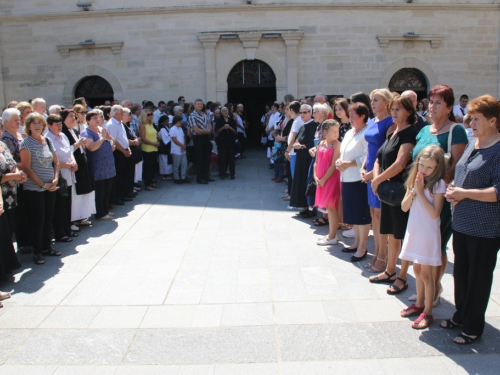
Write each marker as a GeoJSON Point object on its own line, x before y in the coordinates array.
{"type": "Point", "coordinates": [478, 169]}
{"type": "Point", "coordinates": [41, 161]}
{"type": "Point", "coordinates": [200, 120]}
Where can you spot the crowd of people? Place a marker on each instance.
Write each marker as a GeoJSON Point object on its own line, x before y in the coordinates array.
{"type": "Point", "coordinates": [60, 167]}
{"type": "Point", "coordinates": [413, 172]}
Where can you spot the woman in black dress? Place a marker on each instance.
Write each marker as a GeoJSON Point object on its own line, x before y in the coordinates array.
{"type": "Point", "coordinates": [392, 160]}
{"type": "Point", "coordinates": [225, 129]}
{"type": "Point", "coordinates": [304, 141]}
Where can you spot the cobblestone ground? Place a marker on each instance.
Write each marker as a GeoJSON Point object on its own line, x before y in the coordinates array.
{"type": "Point", "coordinates": [221, 279]}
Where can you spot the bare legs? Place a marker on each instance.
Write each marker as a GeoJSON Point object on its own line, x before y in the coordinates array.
{"type": "Point", "coordinates": [425, 286]}
{"type": "Point", "coordinates": [378, 260]}
{"type": "Point", "coordinates": [361, 233]}
{"type": "Point", "coordinates": [333, 219]}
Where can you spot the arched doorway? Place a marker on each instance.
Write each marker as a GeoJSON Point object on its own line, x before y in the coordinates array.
{"type": "Point", "coordinates": [96, 90]}
{"type": "Point", "coordinates": [252, 83]}
{"type": "Point", "coordinates": [409, 79]}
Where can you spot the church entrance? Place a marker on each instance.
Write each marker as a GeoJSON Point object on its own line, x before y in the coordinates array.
{"type": "Point", "coordinates": [409, 79]}
{"type": "Point", "coordinates": [253, 84]}
{"type": "Point", "coordinates": [96, 90]}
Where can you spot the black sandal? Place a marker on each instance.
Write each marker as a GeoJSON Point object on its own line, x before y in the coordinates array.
{"type": "Point", "coordinates": [320, 222]}
{"type": "Point", "coordinates": [397, 289]}
{"type": "Point", "coordinates": [73, 234]}
{"type": "Point", "coordinates": [468, 340]}
{"type": "Point", "coordinates": [65, 239]}
{"type": "Point", "coordinates": [450, 324]}
{"type": "Point", "coordinates": [51, 253]}
{"type": "Point", "coordinates": [38, 259]}
{"type": "Point", "coordinates": [376, 280]}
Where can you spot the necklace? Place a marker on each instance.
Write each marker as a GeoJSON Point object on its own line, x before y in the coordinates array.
{"type": "Point", "coordinates": [361, 131]}
{"type": "Point", "coordinates": [441, 127]}
{"type": "Point", "coordinates": [488, 144]}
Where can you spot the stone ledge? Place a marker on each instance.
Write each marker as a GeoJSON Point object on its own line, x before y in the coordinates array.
{"type": "Point", "coordinates": [435, 40]}
{"type": "Point", "coordinates": [64, 50]}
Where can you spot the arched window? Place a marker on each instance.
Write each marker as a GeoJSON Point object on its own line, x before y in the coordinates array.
{"type": "Point", "coordinates": [96, 90]}
{"type": "Point", "coordinates": [409, 79]}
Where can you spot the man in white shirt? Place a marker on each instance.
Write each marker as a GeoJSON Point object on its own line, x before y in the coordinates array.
{"type": "Point", "coordinates": [240, 128]}
{"type": "Point", "coordinates": [122, 153]}
{"type": "Point", "coordinates": [159, 112]}
{"type": "Point", "coordinates": [460, 110]}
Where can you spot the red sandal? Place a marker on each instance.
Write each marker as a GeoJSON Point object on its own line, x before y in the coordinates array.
{"type": "Point", "coordinates": [425, 319]}
{"type": "Point", "coordinates": [411, 311]}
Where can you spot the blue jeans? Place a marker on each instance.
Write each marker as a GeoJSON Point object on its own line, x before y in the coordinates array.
{"type": "Point", "coordinates": [279, 170]}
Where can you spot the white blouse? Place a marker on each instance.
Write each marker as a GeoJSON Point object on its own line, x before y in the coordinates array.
{"type": "Point", "coordinates": [353, 148]}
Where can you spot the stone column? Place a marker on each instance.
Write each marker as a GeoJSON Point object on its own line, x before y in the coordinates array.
{"type": "Point", "coordinates": [210, 42]}
{"type": "Point", "coordinates": [292, 41]}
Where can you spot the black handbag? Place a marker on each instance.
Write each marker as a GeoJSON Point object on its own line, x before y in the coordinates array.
{"type": "Point", "coordinates": [63, 186]}
{"type": "Point", "coordinates": [280, 154]}
{"type": "Point", "coordinates": [311, 189]}
{"type": "Point", "coordinates": [390, 192]}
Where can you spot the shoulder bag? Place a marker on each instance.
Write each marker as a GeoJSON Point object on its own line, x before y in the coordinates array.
{"type": "Point", "coordinates": [447, 155]}
{"type": "Point", "coordinates": [390, 192]}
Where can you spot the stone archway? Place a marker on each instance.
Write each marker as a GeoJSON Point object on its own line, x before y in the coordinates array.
{"type": "Point", "coordinates": [409, 63]}
{"type": "Point", "coordinates": [231, 60]}
{"type": "Point", "coordinates": [91, 70]}
{"type": "Point", "coordinates": [409, 79]}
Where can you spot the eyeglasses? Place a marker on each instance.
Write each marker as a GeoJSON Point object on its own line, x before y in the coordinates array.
{"type": "Point", "coordinates": [304, 113]}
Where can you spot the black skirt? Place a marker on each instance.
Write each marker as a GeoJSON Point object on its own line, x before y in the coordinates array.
{"type": "Point", "coordinates": [355, 206]}
{"type": "Point", "coordinates": [393, 220]}
{"type": "Point", "coordinates": [299, 183]}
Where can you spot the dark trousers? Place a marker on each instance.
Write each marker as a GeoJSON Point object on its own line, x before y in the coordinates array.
{"type": "Point", "coordinates": [279, 170]}
{"type": "Point", "coordinates": [22, 233]}
{"type": "Point", "coordinates": [8, 257]}
{"type": "Point", "coordinates": [149, 166]}
{"type": "Point", "coordinates": [41, 212]}
{"type": "Point", "coordinates": [129, 177]}
{"type": "Point", "coordinates": [120, 184]}
{"type": "Point", "coordinates": [289, 174]}
{"type": "Point", "coordinates": [241, 143]}
{"type": "Point", "coordinates": [62, 215]}
{"type": "Point", "coordinates": [310, 177]}
{"type": "Point", "coordinates": [202, 151]}
{"type": "Point", "coordinates": [102, 196]}
{"type": "Point", "coordinates": [226, 158]}
{"type": "Point", "coordinates": [475, 261]}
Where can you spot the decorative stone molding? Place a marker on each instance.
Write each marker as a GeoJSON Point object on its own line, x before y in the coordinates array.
{"type": "Point", "coordinates": [91, 70]}
{"type": "Point", "coordinates": [250, 43]}
{"type": "Point", "coordinates": [435, 40]}
{"type": "Point", "coordinates": [116, 48]}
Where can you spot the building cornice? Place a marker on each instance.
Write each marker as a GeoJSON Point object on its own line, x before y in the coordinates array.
{"type": "Point", "coordinates": [4, 18]}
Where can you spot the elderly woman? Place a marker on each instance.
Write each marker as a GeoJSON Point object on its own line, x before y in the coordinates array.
{"type": "Point", "coordinates": [12, 139]}
{"type": "Point", "coordinates": [10, 178]}
{"type": "Point", "coordinates": [393, 158]}
{"type": "Point", "coordinates": [354, 195]}
{"type": "Point", "coordinates": [225, 129]}
{"type": "Point", "coordinates": [68, 167]}
{"type": "Point", "coordinates": [82, 195]}
{"type": "Point", "coordinates": [39, 161]}
{"type": "Point", "coordinates": [165, 159]}
{"type": "Point", "coordinates": [443, 131]}
{"type": "Point", "coordinates": [149, 147]}
{"type": "Point", "coordinates": [475, 196]}
{"type": "Point", "coordinates": [375, 135]}
{"type": "Point", "coordinates": [303, 142]}
{"type": "Point", "coordinates": [25, 109]}
{"type": "Point", "coordinates": [101, 163]}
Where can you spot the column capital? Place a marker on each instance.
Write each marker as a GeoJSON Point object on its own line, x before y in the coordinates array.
{"type": "Point", "coordinates": [209, 40]}
{"type": "Point", "coordinates": [292, 38]}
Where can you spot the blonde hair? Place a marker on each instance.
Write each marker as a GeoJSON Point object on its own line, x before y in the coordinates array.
{"type": "Point", "coordinates": [385, 94]}
{"type": "Point", "coordinates": [22, 106]}
{"type": "Point", "coordinates": [31, 118]}
{"type": "Point", "coordinates": [435, 153]}
{"type": "Point", "coordinates": [143, 117]}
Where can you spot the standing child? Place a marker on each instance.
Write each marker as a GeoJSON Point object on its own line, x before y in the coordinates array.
{"type": "Point", "coordinates": [327, 178]}
{"type": "Point", "coordinates": [178, 151]}
{"type": "Point", "coordinates": [424, 198]}
{"type": "Point", "coordinates": [279, 168]}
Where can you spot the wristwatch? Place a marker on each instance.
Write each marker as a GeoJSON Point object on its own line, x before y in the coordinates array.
{"type": "Point", "coordinates": [43, 187]}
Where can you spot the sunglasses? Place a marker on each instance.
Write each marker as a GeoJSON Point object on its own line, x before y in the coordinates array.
{"type": "Point", "coordinates": [304, 113]}
{"type": "Point", "coordinates": [82, 113]}
{"type": "Point", "coordinates": [149, 114]}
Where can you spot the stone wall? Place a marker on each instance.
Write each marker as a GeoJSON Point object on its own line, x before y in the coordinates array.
{"type": "Point", "coordinates": [162, 56]}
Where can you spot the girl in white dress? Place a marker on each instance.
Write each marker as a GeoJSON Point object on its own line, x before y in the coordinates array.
{"type": "Point", "coordinates": [424, 198]}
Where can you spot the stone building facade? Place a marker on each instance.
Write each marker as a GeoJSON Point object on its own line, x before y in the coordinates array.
{"type": "Point", "coordinates": [162, 49]}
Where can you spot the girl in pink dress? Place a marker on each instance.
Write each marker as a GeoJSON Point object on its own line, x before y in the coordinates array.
{"type": "Point", "coordinates": [424, 198]}
{"type": "Point", "coordinates": [327, 178]}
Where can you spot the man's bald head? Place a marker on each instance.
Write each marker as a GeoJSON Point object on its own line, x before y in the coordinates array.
{"type": "Point", "coordinates": [412, 95]}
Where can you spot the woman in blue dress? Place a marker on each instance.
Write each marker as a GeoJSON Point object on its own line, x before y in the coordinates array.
{"type": "Point", "coordinates": [375, 135]}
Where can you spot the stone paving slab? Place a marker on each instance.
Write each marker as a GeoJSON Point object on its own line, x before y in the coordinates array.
{"type": "Point", "coordinates": [222, 279]}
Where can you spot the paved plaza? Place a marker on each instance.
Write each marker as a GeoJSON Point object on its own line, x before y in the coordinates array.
{"type": "Point", "coordinates": [221, 279]}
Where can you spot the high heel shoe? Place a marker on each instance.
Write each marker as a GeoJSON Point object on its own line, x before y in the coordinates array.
{"type": "Point", "coordinates": [438, 298]}
{"type": "Point", "coordinates": [374, 269]}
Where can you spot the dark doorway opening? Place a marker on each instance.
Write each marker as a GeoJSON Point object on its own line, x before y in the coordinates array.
{"type": "Point", "coordinates": [96, 90]}
{"type": "Point", "coordinates": [409, 79]}
{"type": "Point", "coordinates": [253, 84]}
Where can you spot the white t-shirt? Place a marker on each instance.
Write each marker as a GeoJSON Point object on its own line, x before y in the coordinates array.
{"type": "Point", "coordinates": [178, 133]}
{"type": "Point", "coordinates": [459, 111]}
{"type": "Point", "coordinates": [297, 124]}
{"type": "Point", "coordinates": [272, 122]}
